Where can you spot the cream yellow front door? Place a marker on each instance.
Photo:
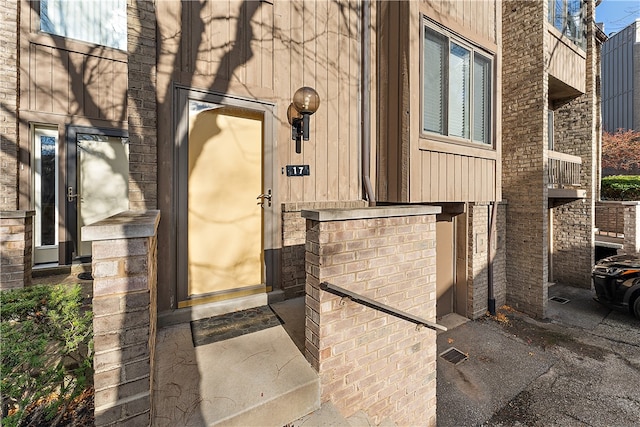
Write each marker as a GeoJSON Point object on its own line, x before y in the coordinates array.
{"type": "Point", "coordinates": [224, 203]}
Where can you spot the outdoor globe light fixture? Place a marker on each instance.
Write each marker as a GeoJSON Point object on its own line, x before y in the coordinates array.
{"type": "Point", "coordinates": [305, 102]}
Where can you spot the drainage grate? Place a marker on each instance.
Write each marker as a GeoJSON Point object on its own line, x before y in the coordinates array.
{"type": "Point", "coordinates": [454, 356]}
{"type": "Point", "coordinates": [559, 300]}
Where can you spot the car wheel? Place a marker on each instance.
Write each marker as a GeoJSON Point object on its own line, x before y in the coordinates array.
{"type": "Point", "coordinates": [636, 307]}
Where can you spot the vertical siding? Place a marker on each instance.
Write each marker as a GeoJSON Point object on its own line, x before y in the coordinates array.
{"type": "Point", "coordinates": [474, 16]}
{"type": "Point", "coordinates": [567, 62]}
{"type": "Point", "coordinates": [64, 81]}
{"type": "Point", "coordinates": [450, 173]}
{"type": "Point", "coordinates": [266, 51]}
{"type": "Point", "coordinates": [448, 177]}
{"type": "Point", "coordinates": [618, 74]}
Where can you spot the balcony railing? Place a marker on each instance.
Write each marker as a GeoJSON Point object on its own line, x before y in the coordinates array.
{"type": "Point", "coordinates": [563, 170]}
{"type": "Point", "coordinates": [568, 16]}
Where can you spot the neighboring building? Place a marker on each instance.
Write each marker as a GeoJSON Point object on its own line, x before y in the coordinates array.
{"type": "Point", "coordinates": [550, 160]}
{"type": "Point", "coordinates": [459, 104]}
{"type": "Point", "coordinates": [621, 80]}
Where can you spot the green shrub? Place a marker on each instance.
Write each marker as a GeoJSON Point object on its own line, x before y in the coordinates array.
{"type": "Point", "coordinates": [46, 353]}
{"type": "Point", "coordinates": [620, 187]}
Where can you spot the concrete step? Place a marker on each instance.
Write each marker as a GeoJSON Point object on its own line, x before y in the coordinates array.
{"type": "Point", "coordinates": [257, 379]}
{"type": "Point", "coordinates": [329, 416]}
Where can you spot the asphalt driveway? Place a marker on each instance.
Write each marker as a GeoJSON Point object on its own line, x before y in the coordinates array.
{"type": "Point", "coordinates": [580, 367]}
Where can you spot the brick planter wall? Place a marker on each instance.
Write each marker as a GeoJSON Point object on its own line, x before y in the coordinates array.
{"type": "Point", "coordinates": [16, 236]}
{"type": "Point", "coordinates": [610, 216]}
{"type": "Point", "coordinates": [368, 360]}
{"type": "Point", "coordinates": [124, 324]}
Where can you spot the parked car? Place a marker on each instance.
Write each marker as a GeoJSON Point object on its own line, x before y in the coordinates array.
{"type": "Point", "coordinates": [616, 281]}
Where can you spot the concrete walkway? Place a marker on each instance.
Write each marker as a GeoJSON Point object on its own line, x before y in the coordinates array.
{"type": "Point", "coordinates": [497, 369]}
{"type": "Point", "coordinates": [579, 367]}
{"type": "Point", "coordinates": [257, 379]}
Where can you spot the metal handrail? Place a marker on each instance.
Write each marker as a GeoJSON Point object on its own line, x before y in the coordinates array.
{"type": "Point", "coordinates": [380, 306]}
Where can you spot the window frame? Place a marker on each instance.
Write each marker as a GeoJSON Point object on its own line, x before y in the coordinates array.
{"type": "Point", "coordinates": [474, 48]}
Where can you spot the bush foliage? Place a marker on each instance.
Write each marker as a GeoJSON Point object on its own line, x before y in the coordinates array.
{"type": "Point", "coordinates": [620, 188]}
{"type": "Point", "coordinates": [46, 353]}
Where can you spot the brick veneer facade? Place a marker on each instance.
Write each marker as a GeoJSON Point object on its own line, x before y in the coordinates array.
{"type": "Point", "coordinates": [610, 216]}
{"type": "Point", "coordinates": [478, 273]}
{"type": "Point", "coordinates": [141, 105]}
{"type": "Point", "coordinates": [524, 135]}
{"type": "Point", "coordinates": [294, 230]}
{"type": "Point", "coordinates": [631, 228]}
{"type": "Point", "coordinates": [16, 235]}
{"type": "Point", "coordinates": [124, 260]}
{"type": "Point", "coordinates": [9, 102]}
{"type": "Point", "coordinates": [368, 360]}
{"type": "Point", "coordinates": [576, 124]}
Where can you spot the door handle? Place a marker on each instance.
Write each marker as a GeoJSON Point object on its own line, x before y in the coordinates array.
{"type": "Point", "coordinates": [70, 194]}
{"type": "Point", "coordinates": [264, 196]}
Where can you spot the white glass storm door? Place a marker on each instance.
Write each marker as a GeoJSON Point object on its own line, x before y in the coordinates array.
{"type": "Point", "coordinates": [103, 187]}
{"type": "Point", "coordinates": [45, 195]}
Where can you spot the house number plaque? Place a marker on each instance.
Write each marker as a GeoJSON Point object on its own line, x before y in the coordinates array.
{"type": "Point", "coordinates": [297, 170]}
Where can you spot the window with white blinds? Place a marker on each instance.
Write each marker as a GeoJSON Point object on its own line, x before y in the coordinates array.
{"type": "Point", "coordinates": [456, 87]}
{"type": "Point", "coordinates": [101, 22]}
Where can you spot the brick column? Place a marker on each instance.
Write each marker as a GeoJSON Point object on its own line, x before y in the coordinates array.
{"type": "Point", "coordinates": [124, 324]}
{"type": "Point", "coordinates": [524, 135]}
{"type": "Point", "coordinates": [368, 360]}
{"type": "Point", "coordinates": [141, 104]}
{"type": "Point", "coordinates": [16, 237]}
{"type": "Point", "coordinates": [631, 243]}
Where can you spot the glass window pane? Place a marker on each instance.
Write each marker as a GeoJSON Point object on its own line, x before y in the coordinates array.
{"type": "Point", "coordinates": [101, 22]}
{"type": "Point", "coordinates": [435, 51]}
{"type": "Point", "coordinates": [481, 98]}
{"type": "Point", "coordinates": [459, 68]}
{"type": "Point", "coordinates": [46, 194]}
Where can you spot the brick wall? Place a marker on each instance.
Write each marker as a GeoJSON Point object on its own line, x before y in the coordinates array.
{"type": "Point", "coordinates": [609, 217]}
{"type": "Point", "coordinates": [368, 360]}
{"type": "Point", "coordinates": [631, 228]}
{"type": "Point", "coordinates": [477, 269]}
{"type": "Point", "coordinates": [294, 229]}
{"type": "Point", "coordinates": [141, 105]}
{"type": "Point", "coordinates": [524, 138]}
{"type": "Point", "coordinates": [575, 125]}
{"type": "Point", "coordinates": [16, 235]}
{"type": "Point", "coordinates": [8, 105]}
{"type": "Point", "coordinates": [124, 259]}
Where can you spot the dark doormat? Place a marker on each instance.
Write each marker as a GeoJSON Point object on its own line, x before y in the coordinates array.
{"type": "Point", "coordinates": [231, 325]}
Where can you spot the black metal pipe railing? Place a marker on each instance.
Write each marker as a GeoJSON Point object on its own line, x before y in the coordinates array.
{"type": "Point", "coordinates": [361, 299]}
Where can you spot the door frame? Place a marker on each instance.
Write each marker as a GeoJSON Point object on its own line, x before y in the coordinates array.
{"type": "Point", "coordinates": [270, 177]}
{"type": "Point", "coordinates": [71, 179]}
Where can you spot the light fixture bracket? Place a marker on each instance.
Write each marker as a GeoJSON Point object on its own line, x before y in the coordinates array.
{"type": "Point", "coordinates": [305, 102]}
